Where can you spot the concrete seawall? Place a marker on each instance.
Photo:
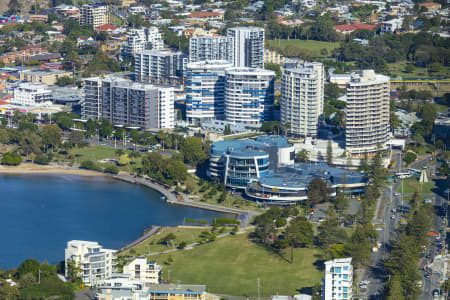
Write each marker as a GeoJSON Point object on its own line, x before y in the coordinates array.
{"type": "Point", "coordinates": [243, 216]}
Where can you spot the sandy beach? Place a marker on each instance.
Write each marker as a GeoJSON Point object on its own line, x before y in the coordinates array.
{"type": "Point", "coordinates": [29, 168]}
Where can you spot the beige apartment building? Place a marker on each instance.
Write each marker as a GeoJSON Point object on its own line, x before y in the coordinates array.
{"type": "Point", "coordinates": [48, 77]}
{"type": "Point", "coordinates": [367, 113]}
{"type": "Point", "coordinates": [95, 14]}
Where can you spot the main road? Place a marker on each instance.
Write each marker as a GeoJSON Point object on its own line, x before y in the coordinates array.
{"type": "Point", "coordinates": [375, 274]}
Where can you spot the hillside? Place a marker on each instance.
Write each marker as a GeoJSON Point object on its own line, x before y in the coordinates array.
{"type": "Point", "coordinates": [25, 5]}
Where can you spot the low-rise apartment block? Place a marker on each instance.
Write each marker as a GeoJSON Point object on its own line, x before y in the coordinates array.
{"type": "Point", "coordinates": [32, 94]}
{"type": "Point", "coordinates": [338, 280]}
{"type": "Point", "coordinates": [93, 261]}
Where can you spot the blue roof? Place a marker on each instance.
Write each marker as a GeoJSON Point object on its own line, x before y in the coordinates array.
{"type": "Point", "coordinates": [299, 176]}
{"type": "Point", "coordinates": [243, 148]}
{"type": "Point", "coordinates": [248, 148]}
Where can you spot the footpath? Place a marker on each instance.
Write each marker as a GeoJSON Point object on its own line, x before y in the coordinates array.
{"type": "Point", "coordinates": [244, 216]}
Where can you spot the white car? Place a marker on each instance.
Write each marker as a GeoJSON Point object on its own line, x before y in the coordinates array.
{"type": "Point", "coordinates": [393, 217]}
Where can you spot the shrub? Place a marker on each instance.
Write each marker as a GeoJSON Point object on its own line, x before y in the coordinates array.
{"type": "Point", "coordinates": [280, 222]}
{"type": "Point", "coordinates": [182, 245]}
{"type": "Point", "coordinates": [42, 159]}
{"type": "Point", "coordinates": [219, 221]}
{"type": "Point", "coordinates": [11, 159]}
{"type": "Point", "coordinates": [89, 165]}
{"type": "Point", "coordinates": [112, 169]}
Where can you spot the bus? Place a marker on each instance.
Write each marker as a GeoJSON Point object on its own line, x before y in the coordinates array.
{"type": "Point", "coordinates": [414, 171]}
{"type": "Point", "coordinates": [403, 175]}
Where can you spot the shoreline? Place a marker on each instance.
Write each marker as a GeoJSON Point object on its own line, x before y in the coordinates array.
{"type": "Point", "coordinates": [34, 169]}
{"type": "Point", "coordinates": [30, 168]}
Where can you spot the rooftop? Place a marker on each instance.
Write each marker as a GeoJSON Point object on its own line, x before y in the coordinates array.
{"type": "Point", "coordinates": [349, 27]}
{"type": "Point", "coordinates": [176, 288]}
{"type": "Point", "coordinates": [299, 176]}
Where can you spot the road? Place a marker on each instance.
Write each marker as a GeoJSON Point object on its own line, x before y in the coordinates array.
{"type": "Point", "coordinates": [375, 274]}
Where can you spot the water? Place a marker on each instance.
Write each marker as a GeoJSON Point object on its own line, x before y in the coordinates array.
{"type": "Point", "coordinates": [40, 213]}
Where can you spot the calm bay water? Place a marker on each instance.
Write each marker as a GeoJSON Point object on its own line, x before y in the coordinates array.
{"type": "Point", "coordinates": [40, 213]}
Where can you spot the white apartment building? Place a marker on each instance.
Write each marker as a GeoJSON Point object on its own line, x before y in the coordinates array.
{"type": "Point", "coordinates": [123, 102]}
{"type": "Point", "coordinates": [94, 261]}
{"type": "Point", "coordinates": [206, 48]}
{"type": "Point", "coordinates": [301, 104]}
{"type": "Point", "coordinates": [249, 95]}
{"type": "Point", "coordinates": [142, 39]}
{"type": "Point", "coordinates": [391, 26]}
{"type": "Point", "coordinates": [338, 279]}
{"type": "Point", "coordinates": [160, 66]}
{"type": "Point", "coordinates": [95, 14]}
{"type": "Point", "coordinates": [367, 113]}
{"type": "Point", "coordinates": [205, 90]}
{"type": "Point", "coordinates": [146, 272]}
{"type": "Point", "coordinates": [32, 94]}
{"type": "Point", "coordinates": [246, 46]}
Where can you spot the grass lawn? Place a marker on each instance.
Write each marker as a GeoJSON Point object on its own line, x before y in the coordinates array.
{"type": "Point", "coordinates": [93, 153]}
{"type": "Point", "coordinates": [96, 153]}
{"type": "Point", "coordinates": [188, 235]}
{"type": "Point", "coordinates": [207, 195]}
{"type": "Point", "coordinates": [232, 266]}
{"type": "Point", "coordinates": [398, 69]}
{"type": "Point", "coordinates": [315, 46]}
{"type": "Point", "coordinates": [410, 185]}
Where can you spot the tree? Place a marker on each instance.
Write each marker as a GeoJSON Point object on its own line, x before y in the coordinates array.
{"type": "Point", "coordinates": [168, 239]}
{"type": "Point", "coordinates": [124, 160]}
{"type": "Point", "coordinates": [65, 80]}
{"type": "Point", "coordinates": [409, 68]}
{"type": "Point", "coordinates": [329, 152]}
{"type": "Point", "coordinates": [4, 137]}
{"type": "Point", "coordinates": [182, 245]}
{"type": "Point", "coordinates": [51, 136]}
{"type": "Point", "coordinates": [28, 266]}
{"type": "Point", "coordinates": [105, 128]}
{"type": "Point", "coordinates": [302, 155]}
{"type": "Point", "coordinates": [329, 232]}
{"type": "Point", "coordinates": [299, 233]}
{"type": "Point", "coordinates": [135, 136]}
{"type": "Point", "coordinates": [227, 130]}
{"type": "Point", "coordinates": [112, 169]}
{"type": "Point", "coordinates": [444, 169]}
{"type": "Point", "coordinates": [76, 137]}
{"type": "Point", "coordinates": [193, 151]}
{"type": "Point", "coordinates": [91, 127]}
{"type": "Point", "coordinates": [410, 157]}
{"type": "Point", "coordinates": [135, 20]}
{"type": "Point", "coordinates": [88, 164]}
{"type": "Point", "coordinates": [30, 142]}
{"type": "Point", "coordinates": [318, 191]}
{"type": "Point", "coordinates": [11, 159]}
{"type": "Point", "coordinates": [394, 289]}
{"type": "Point", "coordinates": [73, 272]}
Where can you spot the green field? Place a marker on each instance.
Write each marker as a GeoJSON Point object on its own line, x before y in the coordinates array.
{"type": "Point", "coordinates": [398, 70]}
{"type": "Point", "coordinates": [233, 264]}
{"type": "Point", "coordinates": [96, 153]}
{"type": "Point", "coordinates": [411, 185]}
{"type": "Point", "coordinates": [188, 235]}
{"type": "Point", "coordinates": [305, 44]}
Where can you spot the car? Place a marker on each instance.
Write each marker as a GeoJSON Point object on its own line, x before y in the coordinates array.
{"type": "Point", "coordinates": [321, 219]}
{"type": "Point", "coordinates": [427, 275]}
{"type": "Point", "coordinates": [393, 217]}
{"type": "Point", "coordinates": [436, 294]}
{"type": "Point", "coordinates": [397, 194]}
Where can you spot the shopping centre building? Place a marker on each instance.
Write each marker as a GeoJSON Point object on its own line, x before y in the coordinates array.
{"type": "Point", "coordinates": [265, 169]}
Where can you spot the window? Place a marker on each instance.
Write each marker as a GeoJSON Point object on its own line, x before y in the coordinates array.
{"type": "Point", "coordinates": [346, 268]}
{"type": "Point", "coordinates": [337, 270]}
{"type": "Point", "coordinates": [345, 276]}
